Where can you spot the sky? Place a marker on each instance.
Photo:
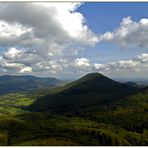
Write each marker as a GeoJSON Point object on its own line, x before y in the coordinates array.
{"type": "Point", "coordinates": [69, 40]}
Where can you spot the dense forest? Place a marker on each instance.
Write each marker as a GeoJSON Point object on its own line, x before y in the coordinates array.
{"type": "Point", "coordinates": [92, 111]}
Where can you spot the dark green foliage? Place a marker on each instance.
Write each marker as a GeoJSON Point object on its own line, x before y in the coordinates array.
{"type": "Point", "coordinates": [93, 111]}
{"type": "Point", "coordinates": [44, 129]}
{"type": "Point", "coordinates": [91, 90]}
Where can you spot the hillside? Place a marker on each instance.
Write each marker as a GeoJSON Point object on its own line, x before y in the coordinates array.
{"type": "Point", "coordinates": [9, 84]}
{"type": "Point", "coordinates": [130, 112]}
{"type": "Point", "coordinates": [91, 91]}
{"type": "Point", "coordinates": [92, 111]}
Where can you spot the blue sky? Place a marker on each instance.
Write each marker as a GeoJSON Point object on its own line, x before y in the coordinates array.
{"type": "Point", "coordinates": [69, 40]}
{"type": "Point", "coordinates": [106, 16]}
{"type": "Point", "coordinates": [103, 16]}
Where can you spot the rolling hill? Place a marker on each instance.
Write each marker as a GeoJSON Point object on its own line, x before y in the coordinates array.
{"type": "Point", "coordinates": [91, 91]}
{"type": "Point", "coordinates": [9, 84]}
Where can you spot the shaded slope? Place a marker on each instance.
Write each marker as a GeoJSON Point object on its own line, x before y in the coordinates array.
{"type": "Point", "coordinates": [136, 100]}
{"type": "Point", "coordinates": [92, 90]}
{"type": "Point", "coordinates": [10, 84]}
{"type": "Point", "coordinates": [130, 112]}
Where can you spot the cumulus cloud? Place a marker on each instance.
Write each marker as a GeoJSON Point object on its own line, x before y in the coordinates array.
{"type": "Point", "coordinates": [26, 69]}
{"type": "Point", "coordinates": [13, 67]}
{"type": "Point", "coordinates": [38, 36]}
{"type": "Point", "coordinates": [14, 33]}
{"type": "Point", "coordinates": [14, 29]}
{"type": "Point", "coordinates": [129, 34]}
{"type": "Point", "coordinates": [52, 22]}
{"type": "Point", "coordinates": [82, 62]}
{"type": "Point", "coordinates": [139, 63]}
{"type": "Point", "coordinates": [45, 39]}
{"type": "Point", "coordinates": [12, 53]}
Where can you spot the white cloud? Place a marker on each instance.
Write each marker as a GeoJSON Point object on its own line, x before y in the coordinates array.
{"type": "Point", "coordinates": [129, 34]}
{"type": "Point", "coordinates": [13, 29]}
{"type": "Point", "coordinates": [13, 67]}
{"type": "Point", "coordinates": [53, 22]}
{"type": "Point", "coordinates": [139, 63]}
{"type": "Point", "coordinates": [14, 33]}
{"type": "Point", "coordinates": [142, 58]}
{"type": "Point", "coordinates": [99, 66]}
{"type": "Point", "coordinates": [46, 38]}
{"type": "Point", "coordinates": [82, 62]}
{"type": "Point", "coordinates": [49, 66]}
{"type": "Point", "coordinates": [38, 35]}
{"type": "Point", "coordinates": [12, 53]}
{"type": "Point", "coordinates": [26, 69]}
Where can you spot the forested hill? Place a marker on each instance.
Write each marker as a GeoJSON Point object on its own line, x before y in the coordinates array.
{"type": "Point", "coordinates": [91, 91]}
{"type": "Point", "coordinates": [92, 111]}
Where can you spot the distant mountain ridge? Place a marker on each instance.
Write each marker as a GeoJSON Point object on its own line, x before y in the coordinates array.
{"type": "Point", "coordinates": [9, 84]}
